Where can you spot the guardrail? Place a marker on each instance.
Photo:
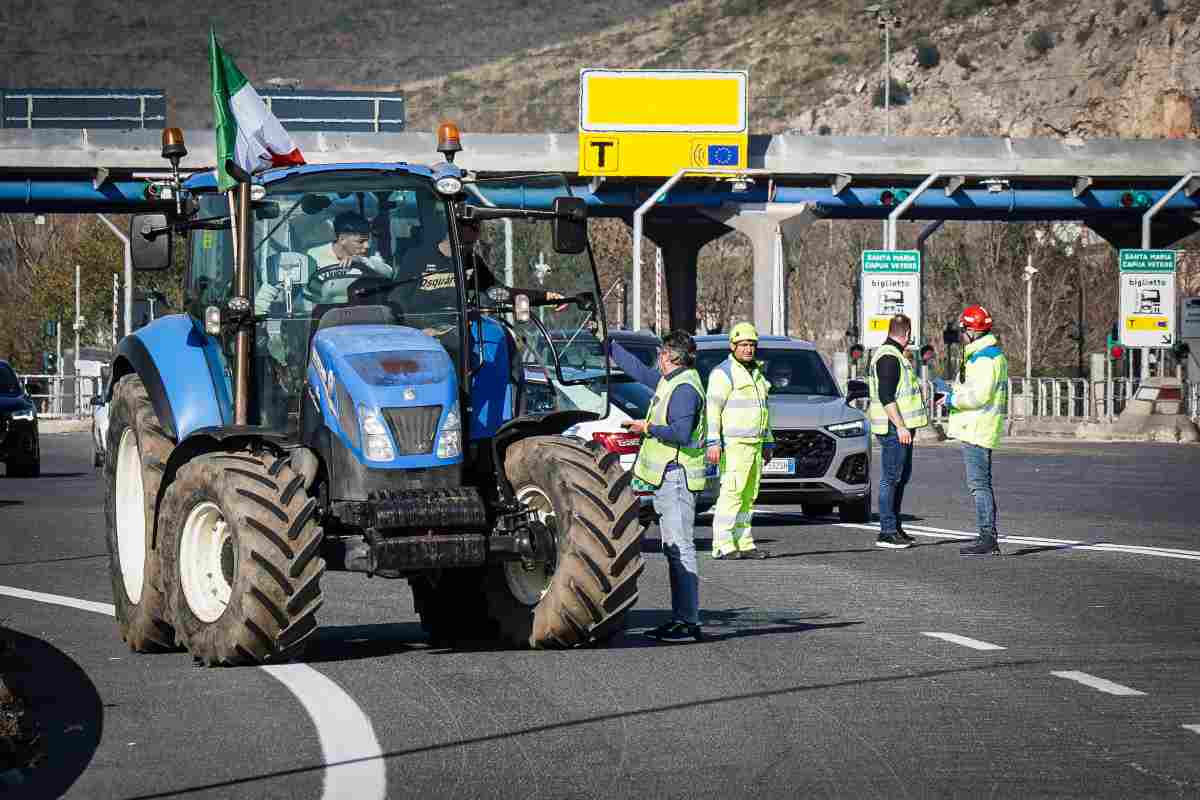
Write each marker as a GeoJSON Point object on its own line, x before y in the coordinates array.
{"type": "Point", "coordinates": [62, 396]}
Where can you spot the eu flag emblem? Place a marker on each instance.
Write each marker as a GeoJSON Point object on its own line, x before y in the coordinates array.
{"type": "Point", "coordinates": [722, 155]}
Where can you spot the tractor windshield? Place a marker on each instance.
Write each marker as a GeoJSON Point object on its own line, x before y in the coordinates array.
{"type": "Point", "coordinates": [326, 240]}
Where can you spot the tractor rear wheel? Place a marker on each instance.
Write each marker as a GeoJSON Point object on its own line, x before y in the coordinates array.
{"type": "Point", "coordinates": [241, 562]}
{"type": "Point", "coordinates": [133, 475]}
{"type": "Point", "coordinates": [582, 595]}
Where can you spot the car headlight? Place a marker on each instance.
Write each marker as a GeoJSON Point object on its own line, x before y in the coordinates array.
{"type": "Point", "coordinates": [376, 444]}
{"type": "Point", "coordinates": [27, 415]}
{"type": "Point", "coordinates": [848, 430]}
{"type": "Point", "coordinates": [449, 443]}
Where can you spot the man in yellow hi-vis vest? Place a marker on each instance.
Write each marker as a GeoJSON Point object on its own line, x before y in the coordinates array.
{"type": "Point", "coordinates": [896, 411]}
{"type": "Point", "coordinates": [670, 463]}
{"type": "Point", "coordinates": [740, 440]}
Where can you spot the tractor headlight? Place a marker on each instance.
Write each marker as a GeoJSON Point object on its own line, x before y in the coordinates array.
{"type": "Point", "coordinates": [848, 430]}
{"type": "Point", "coordinates": [376, 444]}
{"type": "Point", "coordinates": [449, 443]}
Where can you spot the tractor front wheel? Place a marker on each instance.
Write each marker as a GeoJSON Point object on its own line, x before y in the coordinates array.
{"type": "Point", "coordinates": [582, 594]}
{"type": "Point", "coordinates": [241, 565]}
{"type": "Point", "coordinates": [133, 475]}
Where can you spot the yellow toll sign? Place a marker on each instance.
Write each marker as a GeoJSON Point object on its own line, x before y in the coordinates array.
{"type": "Point", "coordinates": [1147, 323]}
{"type": "Point", "coordinates": [656, 122]}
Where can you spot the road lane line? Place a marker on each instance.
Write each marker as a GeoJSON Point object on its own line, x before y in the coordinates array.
{"type": "Point", "coordinates": [353, 759]}
{"type": "Point", "coordinates": [1039, 541]}
{"type": "Point", "coordinates": [1099, 684]}
{"type": "Point", "coordinates": [59, 600]}
{"type": "Point", "coordinates": [1193, 728]}
{"type": "Point", "coordinates": [348, 744]}
{"type": "Point", "coordinates": [974, 644]}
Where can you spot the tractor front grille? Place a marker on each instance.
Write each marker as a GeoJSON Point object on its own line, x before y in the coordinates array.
{"type": "Point", "coordinates": [414, 428]}
{"type": "Point", "coordinates": [812, 450]}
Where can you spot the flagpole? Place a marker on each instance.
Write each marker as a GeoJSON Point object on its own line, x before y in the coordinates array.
{"type": "Point", "coordinates": [245, 333]}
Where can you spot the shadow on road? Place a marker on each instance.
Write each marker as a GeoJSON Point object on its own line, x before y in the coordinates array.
{"type": "Point", "coordinates": [63, 703]}
{"type": "Point", "coordinates": [6, 503]}
{"type": "Point", "coordinates": [355, 642]}
{"type": "Point", "coordinates": [731, 623]}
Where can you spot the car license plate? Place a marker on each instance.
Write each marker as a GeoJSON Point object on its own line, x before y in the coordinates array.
{"type": "Point", "coordinates": [780, 466]}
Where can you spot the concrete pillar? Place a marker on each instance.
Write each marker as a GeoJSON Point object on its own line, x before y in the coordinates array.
{"type": "Point", "coordinates": [681, 238]}
{"type": "Point", "coordinates": [765, 224]}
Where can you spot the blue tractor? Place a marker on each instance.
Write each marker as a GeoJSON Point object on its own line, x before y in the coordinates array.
{"type": "Point", "coordinates": [345, 391]}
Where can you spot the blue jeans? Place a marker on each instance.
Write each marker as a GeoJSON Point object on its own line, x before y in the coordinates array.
{"type": "Point", "coordinates": [978, 461]}
{"type": "Point", "coordinates": [895, 468]}
{"type": "Point", "coordinates": [676, 504]}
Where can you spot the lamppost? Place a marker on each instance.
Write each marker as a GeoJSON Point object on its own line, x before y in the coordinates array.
{"type": "Point", "coordinates": [885, 18]}
{"type": "Point", "coordinates": [1030, 271]}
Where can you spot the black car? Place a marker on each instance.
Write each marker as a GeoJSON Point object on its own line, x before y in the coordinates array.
{"type": "Point", "coordinates": [19, 448]}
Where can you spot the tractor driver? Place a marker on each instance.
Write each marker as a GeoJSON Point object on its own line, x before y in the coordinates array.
{"type": "Point", "coordinates": [344, 260]}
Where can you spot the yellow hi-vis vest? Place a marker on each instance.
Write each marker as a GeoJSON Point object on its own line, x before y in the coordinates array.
{"type": "Point", "coordinates": [737, 406]}
{"type": "Point", "coordinates": [979, 402]}
{"type": "Point", "coordinates": [654, 456]}
{"type": "Point", "coordinates": [908, 394]}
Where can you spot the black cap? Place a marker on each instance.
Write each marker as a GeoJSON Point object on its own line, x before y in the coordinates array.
{"type": "Point", "coordinates": [350, 222]}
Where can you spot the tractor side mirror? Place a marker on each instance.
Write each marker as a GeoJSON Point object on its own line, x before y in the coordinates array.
{"type": "Point", "coordinates": [857, 390]}
{"type": "Point", "coordinates": [570, 225]}
{"type": "Point", "coordinates": [151, 245]}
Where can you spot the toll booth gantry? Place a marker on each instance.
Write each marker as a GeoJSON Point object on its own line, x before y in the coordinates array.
{"type": "Point", "coordinates": [1131, 192]}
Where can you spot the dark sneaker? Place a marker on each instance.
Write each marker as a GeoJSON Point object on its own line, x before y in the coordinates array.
{"type": "Point", "coordinates": [676, 633]}
{"type": "Point", "coordinates": [904, 537]}
{"type": "Point", "coordinates": [892, 542]}
{"type": "Point", "coordinates": [980, 547]}
{"type": "Point", "coordinates": [732, 555]}
{"type": "Point", "coordinates": [755, 554]}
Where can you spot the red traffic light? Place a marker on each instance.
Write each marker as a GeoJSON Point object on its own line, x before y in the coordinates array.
{"type": "Point", "coordinates": [887, 198]}
{"type": "Point", "coordinates": [856, 352]}
{"type": "Point", "coordinates": [1117, 352]}
{"type": "Point", "coordinates": [927, 353]}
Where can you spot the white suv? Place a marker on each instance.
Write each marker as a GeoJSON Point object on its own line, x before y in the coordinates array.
{"type": "Point", "coordinates": [822, 444]}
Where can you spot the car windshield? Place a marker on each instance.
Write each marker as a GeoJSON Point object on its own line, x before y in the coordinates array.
{"type": "Point", "coordinates": [9, 385]}
{"type": "Point", "coordinates": [645, 352]}
{"type": "Point", "coordinates": [791, 372]}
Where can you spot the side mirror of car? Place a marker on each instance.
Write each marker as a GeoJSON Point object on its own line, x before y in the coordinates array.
{"type": "Point", "coordinates": [857, 390]}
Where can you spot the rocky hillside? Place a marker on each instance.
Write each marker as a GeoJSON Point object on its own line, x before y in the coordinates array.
{"type": "Point", "coordinates": [961, 67]}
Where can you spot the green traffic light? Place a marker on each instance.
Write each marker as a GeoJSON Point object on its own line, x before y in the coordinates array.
{"type": "Point", "coordinates": [1141, 199]}
{"type": "Point", "coordinates": [902, 195]}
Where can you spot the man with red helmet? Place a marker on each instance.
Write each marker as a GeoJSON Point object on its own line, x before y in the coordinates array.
{"type": "Point", "coordinates": [977, 403]}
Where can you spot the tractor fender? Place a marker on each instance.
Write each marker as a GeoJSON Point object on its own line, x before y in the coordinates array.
{"type": "Point", "coordinates": [520, 428]}
{"type": "Point", "coordinates": [182, 370]}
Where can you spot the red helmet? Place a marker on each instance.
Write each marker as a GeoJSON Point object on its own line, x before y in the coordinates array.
{"type": "Point", "coordinates": [976, 318]}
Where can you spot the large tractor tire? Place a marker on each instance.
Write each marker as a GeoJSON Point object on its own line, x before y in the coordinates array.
{"type": "Point", "coordinates": [581, 493]}
{"type": "Point", "coordinates": [133, 475]}
{"type": "Point", "coordinates": [241, 563]}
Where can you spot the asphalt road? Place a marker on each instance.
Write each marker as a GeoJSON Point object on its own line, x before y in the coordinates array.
{"type": "Point", "coordinates": [819, 677]}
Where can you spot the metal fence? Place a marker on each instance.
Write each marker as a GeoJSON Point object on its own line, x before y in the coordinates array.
{"type": "Point", "coordinates": [62, 396]}
{"type": "Point", "coordinates": [1075, 399]}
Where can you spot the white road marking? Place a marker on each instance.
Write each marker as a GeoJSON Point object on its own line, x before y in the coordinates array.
{"type": "Point", "coordinates": [59, 600]}
{"type": "Point", "coordinates": [344, 731]}
{"type": "Point", "coordinates": [1193, 728]}
{"type": "Point", "coordinates": [1099, 684]}
{"type": "Point", "coordinates": [974, 644]}
{"type": "Point", "coordinates": [1039, 541]}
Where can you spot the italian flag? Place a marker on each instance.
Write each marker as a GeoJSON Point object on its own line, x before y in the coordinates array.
{"type": "Point", "coordinates": [248, 134]}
